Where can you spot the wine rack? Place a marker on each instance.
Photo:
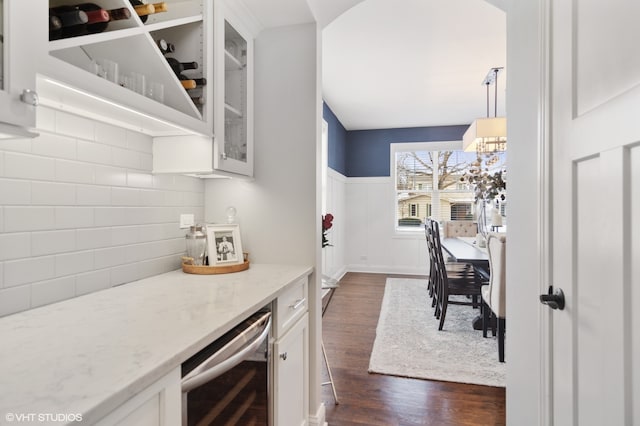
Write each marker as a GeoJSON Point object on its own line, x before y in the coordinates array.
{"type": "Point", "coordinates": [131, 44]}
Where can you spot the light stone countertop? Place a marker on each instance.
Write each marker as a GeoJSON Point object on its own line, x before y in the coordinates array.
{"type": "Point", "coordinates": [90, 354]}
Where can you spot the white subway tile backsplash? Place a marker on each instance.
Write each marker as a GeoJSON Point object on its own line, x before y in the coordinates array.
{"type": "Point", "coordinates": [152, 198]}
{"type": "Point", "coordinates": [133, 253]}
{"type": "Point", "coordinates": [124, 235]}
{"type": "Point", "coordinates": [56, 146]}
{"type": "Point", "coordinates": [125, 197]}
{"type": "Point", "coordinates": [161, 265]}
{"type": "Point", "coordinates": [15, 192]}
{"type": "Point", "coordinates": [74, 217]}
{"type": "Point", "coordinates": [111, 135]}
{"type": "Point", "coordinates": [80, 211]}
{"type": "Point", "coordinates": [146, 162]}
{"type": "Point", "coordinates": [110, 216]}
{"type": "Point", "coordinates": [17, 145]}
{"type": "Point", "coordinates": [126, 158]}
{"type": "Point", "coordinates": [124, 274]}
{"type": "Point", "coordinates": [93, 238]}
{"type": "Point", "coordinates": [139, 180]}
{"type": "Point", "coordinates": [27, 166]}
{"type": "Point", "coordinates": [51, 291]}
{"type": "Point", "coordinates": [94, 152]}
{"type": "Point", "coordinates": [53, 242]}
{"type": "Point", "coordinates": [112, 176]}
{"type": "Point", "coordinates": [163, 182]}
{"type": "Point", "coordinates": [25, 271]}
{"type": "Point", "coordinates": [50, 194]}
{"type": "Point", "coordinates": [22, 218]}
{"type": "Point", "coordinates": [46, 119]}
{"type": "Point", "coordinates": [15, 299]}
{"type": "Point", "coordinates": [105, 258]}
{"type": "Point", "coordinates": [93, 281]}
{"type": "Point", "coordinates": [174, 198]}
{"type": "Point", "coordinates": [74, 125]}
{"type": "Point", "coordinates": [73, 263]}
{"type": "Point", "coordinates": [139, 142]}
{"type": "Point", "coordinates": [15, 245]}
{"type": "Point", "coordinates": [74, 172]}
{"type": "Point", "coordinates": [151, 232]}
{"type": "Point", "coordinates": [93, 195]}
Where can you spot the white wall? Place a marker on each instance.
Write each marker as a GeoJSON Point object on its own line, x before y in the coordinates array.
{"type": "Point", "coordinates": [279, 211]}
{"type": "Point", "coordinates": [80, 211]}
{"type": "Point", "coordinates": [526, 395]}
{"type": "Point", "coordinates": [372, 244]}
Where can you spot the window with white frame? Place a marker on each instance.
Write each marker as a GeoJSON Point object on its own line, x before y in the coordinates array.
{"type": "Point", "coordinates": [428, 182]}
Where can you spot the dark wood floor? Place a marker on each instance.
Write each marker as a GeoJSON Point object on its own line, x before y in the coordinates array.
{"type": "Point", "coordinates": [349, 325]}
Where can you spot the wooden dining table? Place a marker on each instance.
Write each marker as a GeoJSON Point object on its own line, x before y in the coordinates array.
{"type": "Point", "coordinates": [465, 250]}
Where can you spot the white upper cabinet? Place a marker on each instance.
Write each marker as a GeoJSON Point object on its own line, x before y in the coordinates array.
{"type": "Point", "coordinates": [234, 79]}
{"type": "Point", "coordinates": [19, 51]}
{"type": "Point", "coordinates": [231, 151]}
{"type": "Point", "coordinates": [123, 70]}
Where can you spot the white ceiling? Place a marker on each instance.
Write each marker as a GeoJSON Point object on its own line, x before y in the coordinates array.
{"type": "Point", "coordinates": [406, 63]}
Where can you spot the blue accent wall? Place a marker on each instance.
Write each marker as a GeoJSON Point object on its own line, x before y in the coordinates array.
{"type": "Point", "coordinates": [337, 155]}
{"type": "Point", "coordinates": [368, 151]}
{"type": "Point", "coordinates": [365, 153]}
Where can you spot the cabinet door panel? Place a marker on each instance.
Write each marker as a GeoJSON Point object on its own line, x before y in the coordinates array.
{"type": "Point", "coordinates": [291, 376]}
{"type": "Point", "coordinates": [21, 46]}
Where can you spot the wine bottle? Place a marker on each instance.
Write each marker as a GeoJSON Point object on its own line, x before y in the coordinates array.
{"type": "Point", "coordinates": [117, 14]}
{"type": "Point", "coordinates": [66, 17]}
{"type": "Point", "coordinates": [55, 27]}
{"type": "Point", "coordinates": [144, 10]}
{"type": "Point", "coordinates": [192, 83]}
{"type": "Point", "coordinates": [165, 47]}
{"type": "Point", "coordinates": [198, 100]}
{"type": "Point", "coordinates": [178, 67]}
{"type": "Point", "coordinates": [97, 18]}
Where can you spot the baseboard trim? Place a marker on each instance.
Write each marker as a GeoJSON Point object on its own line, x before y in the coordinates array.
{"type": "Point", "coordinates": [387, 269]}
{"type": "Point", "coordinates": [318, 419]}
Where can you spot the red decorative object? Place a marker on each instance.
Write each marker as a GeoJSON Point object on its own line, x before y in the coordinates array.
{"type": "Point", "coordinates": [327, 223]}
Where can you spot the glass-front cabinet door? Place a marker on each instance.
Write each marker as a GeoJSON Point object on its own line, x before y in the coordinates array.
{"type": "Point", "coordinates": [233, 128]}
{"type": "Point", "coordinates": [19, 49]}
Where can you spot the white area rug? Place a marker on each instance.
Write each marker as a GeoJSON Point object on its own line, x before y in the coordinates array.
{"type": "Point", "coordinates": [408, 342]}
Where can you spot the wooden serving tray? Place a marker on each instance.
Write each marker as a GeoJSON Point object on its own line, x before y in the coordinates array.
{"type": "Point", "coordinates": [188, 268]}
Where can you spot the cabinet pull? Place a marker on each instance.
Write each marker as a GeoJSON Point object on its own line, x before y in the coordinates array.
{"type": "Point", "coordinates": [297, 304]}
{"type": "Point", "coordinates": [30, 97]}
{"type": "Point", "coordinates": [283, 356]}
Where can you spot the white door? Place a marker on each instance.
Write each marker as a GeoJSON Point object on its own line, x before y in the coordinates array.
{"type": "Point", "coordinates": [595, 231]}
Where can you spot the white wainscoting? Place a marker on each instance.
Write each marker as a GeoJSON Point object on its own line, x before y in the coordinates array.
{"type": "Point", "coordinates": [365, 227]}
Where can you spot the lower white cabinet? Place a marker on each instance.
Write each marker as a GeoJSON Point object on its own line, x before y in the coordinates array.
{"type": "Point", "coordinates": [157, 405]}
{"type": "Point", "coordinates": [291, 375]}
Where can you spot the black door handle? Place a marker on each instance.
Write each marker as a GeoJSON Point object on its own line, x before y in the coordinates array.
{"type": "Point", "coordinates": [554, 299]}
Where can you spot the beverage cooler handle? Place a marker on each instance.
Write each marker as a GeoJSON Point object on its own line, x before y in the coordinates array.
{"type": "Point", "coordinates": [190, 382]}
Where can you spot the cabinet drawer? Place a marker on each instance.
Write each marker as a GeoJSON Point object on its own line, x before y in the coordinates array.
{"type": "Point", "coordinates": [290, 305]}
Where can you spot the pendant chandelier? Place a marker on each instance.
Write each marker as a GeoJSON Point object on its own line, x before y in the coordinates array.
{"type": "Point", "coordinates": [486, 135]}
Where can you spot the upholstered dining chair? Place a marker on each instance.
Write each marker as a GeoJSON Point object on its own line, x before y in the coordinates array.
{"type": "Point", "coordinates": [494, 294]}
{"type": "Point", "coordinates": [459, 228]}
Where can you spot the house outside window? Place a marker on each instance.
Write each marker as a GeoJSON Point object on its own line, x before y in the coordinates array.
{"type": "Point", "coordinates": [428, 182]}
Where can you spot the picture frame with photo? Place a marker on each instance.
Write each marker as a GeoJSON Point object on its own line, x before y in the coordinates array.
{"type": "Point", "coordinates": [224, 246]}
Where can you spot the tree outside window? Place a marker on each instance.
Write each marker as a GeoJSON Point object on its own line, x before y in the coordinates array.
{"type": "Point", "coordinates": [432, 184]}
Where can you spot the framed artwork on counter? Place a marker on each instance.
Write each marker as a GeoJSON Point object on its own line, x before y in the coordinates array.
{"type": "Point", "coordinates": [224, 245]}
